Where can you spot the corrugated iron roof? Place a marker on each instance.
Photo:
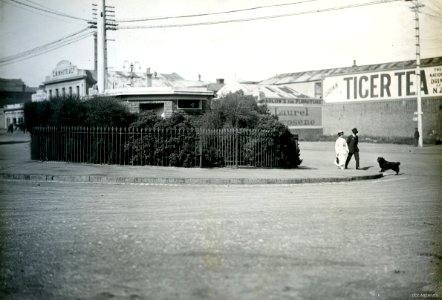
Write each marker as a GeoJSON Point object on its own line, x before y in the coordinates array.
{"type": "Point", "coordinates": [262, 91]}
{"type": "Point", "coordinates": [120, 79]}
{"type": "Point", "coordinates": [316, 75]}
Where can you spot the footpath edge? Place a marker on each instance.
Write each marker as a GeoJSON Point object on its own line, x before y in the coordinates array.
{"type": "Point", "coordinates": [172, 180]}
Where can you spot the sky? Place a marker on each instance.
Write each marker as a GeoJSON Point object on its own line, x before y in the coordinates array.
{"type": "Point", "coordinates": [312, 35]}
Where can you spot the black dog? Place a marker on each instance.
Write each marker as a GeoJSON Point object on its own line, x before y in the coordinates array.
{"type": "Point", "coordinates": [387, 165]}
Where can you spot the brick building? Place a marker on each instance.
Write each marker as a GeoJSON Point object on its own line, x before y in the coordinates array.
{"type": "Point", "coordinates": [13, 94]}
{"type": "Point", "coordinates": [378, 99]}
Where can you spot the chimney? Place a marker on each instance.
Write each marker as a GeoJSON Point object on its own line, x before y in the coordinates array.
{"type": "Point", "coordinates": [199, 77]}
{"type": "Point", "coordinates": [149, 78]}
{"type": "Point", "coordinates": [354, 63]}
{"type": "Point", "coordinates": [220, 81]}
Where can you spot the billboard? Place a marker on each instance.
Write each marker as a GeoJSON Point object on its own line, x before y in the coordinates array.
{"type": "Point", "coordinates": [384, 85]}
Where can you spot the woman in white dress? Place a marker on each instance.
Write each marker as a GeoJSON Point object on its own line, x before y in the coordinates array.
{"type": "Point", "coordinates": [341, 150]}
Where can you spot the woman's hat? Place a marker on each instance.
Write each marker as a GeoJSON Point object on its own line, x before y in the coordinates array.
{"type": "Point", "coordinates": [340, 132]}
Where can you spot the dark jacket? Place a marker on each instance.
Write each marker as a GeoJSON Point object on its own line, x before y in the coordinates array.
{"type": "Point", "coordinates": [352, 142]}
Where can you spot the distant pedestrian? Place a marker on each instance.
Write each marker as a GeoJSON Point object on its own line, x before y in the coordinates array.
{"type": "Point", "coordinates": [341, 150]}
{"type": "Point", "coordinates": [11, 128]}
{"type": "Point", "coordinates": [352, 142]}
{"type": "Point", "coordinates": [416, 137]}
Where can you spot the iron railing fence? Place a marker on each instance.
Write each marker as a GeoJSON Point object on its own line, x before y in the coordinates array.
{"type": "Point", "coordinates": [156, 146]}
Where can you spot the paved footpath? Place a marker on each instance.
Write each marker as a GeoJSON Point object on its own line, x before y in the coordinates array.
{"type": "Point", "coordinates": [317, 166]}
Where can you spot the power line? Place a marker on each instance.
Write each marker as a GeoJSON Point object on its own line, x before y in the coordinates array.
{"type": "Point", "coordinates": [47, 10]}
{"type": "Point", "coordinates": [47, 50]}
{"type": "Point", "coordinates": [259, 18]}
{"type": "Point", "coordinates": [46, 47]}
{"type": "Point", "coordinates": [33, 11]}
{"type": "Point", "coordinates": [214, 13]}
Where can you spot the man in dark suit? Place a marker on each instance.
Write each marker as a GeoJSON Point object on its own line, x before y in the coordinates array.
{"type": "Point", "coordinates": [352, 142]}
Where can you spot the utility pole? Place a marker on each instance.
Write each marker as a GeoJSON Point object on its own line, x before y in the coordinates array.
{"type": "Point", "coordinates": [104, 19]}
{"type": "Point", "coordinates": [415, 8]}
{"type": "Point", "coordinates": [101, 46]}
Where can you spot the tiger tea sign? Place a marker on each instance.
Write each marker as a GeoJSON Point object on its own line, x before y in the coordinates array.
{"type": "Point", "coordinates": [383, 85]}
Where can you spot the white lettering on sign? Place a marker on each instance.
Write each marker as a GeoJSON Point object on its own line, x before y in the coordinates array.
{"type": "Point", "coordinates": [383, 85]}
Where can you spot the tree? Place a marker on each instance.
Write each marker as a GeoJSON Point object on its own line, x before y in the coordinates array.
{"type": "Point", "coordinates": [235, 110]}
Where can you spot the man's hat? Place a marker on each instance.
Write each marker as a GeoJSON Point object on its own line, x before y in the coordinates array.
{"type": "Point", "coordinates": [354, 130]}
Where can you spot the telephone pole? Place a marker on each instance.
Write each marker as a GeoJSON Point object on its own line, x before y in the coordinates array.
{"type": "Point", "coordinates": [101, 46]}
{"type": "Point", "coordinates": [415, 8]}
{"type": "Point", "coordinates": [104, 19]}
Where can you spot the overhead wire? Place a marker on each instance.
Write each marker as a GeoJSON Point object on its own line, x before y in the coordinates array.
{"type": "Point", "coordinates": [213, 13]}
{"type": "Point", "coordinates": [258, 18]}
{"type": "Point", "coordinates": [35, 12]}
{"type": "Point", "coordinates": [47, 10]}
{"type": "Point", "coordinates": [76, 36]}
{"type": "Point", "coordinates": [47, 50]}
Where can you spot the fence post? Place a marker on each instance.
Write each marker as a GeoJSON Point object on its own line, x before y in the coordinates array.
{"type": "Point", "coordinates": [236, 147]}
{"type": "Point", "coordinates": [200, 145]}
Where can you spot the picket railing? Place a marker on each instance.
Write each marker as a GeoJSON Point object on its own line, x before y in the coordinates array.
{"type": "Point", "coordinates": [156, 146]}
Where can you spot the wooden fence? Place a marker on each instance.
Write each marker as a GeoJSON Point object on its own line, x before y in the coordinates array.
{"type": "Point", "coordinates": [156, 146]}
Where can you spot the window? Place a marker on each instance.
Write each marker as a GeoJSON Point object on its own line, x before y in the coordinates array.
{"type": "Point", "coordinates": [56, 93]}
{"type": "Point", "coordinates": [70, 91]}
{"type": "Point", "coordinates": [78, 90]}
{"type": "Point", "coordinates": [50, 94]}
{"type": "Point", "coordinates": [63, 92]}
{"type": "Point", "coordinates": [189, 104]}
{"type": "Point", "coordinates": [318, 90]}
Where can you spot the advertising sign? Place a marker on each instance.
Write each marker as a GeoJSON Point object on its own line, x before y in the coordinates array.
{"type": "Point", "coordinates": [382, 85]}
{"type": "Point", "coordinates": [298, 116]}
{"type": "Point", "coordinates": [64, 69]}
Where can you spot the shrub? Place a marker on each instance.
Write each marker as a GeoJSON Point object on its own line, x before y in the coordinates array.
{"type": "Point", "coordinates": [107, 112]}
{"type": "Point", "coordinates": [71, 111]}
{"type": "Point", "coordinates": [37, 114]}
{"type": "Point", "coordinates": [235, 110]}
{"type": "Point", "coordinates": [169, 141]}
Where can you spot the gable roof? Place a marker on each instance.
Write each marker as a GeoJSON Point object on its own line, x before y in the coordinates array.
{"type": "Point", "coordinates": [317, 75]}
{"type": "Point", "coordinates": [262, 91]}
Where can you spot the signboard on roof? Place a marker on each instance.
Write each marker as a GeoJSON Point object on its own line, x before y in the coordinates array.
{"type": "Point", "coordinates": [399, 84]}
{"type": "Point", "coordinates": [64, 69]}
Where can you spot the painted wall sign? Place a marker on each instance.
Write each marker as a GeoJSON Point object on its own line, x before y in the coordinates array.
{"type": "Point", "coordinates": [301, 116]}
{"type": "Point", "coordinates": [382, 85]}
{"type": "Point", "coordinates": [290, 101]}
